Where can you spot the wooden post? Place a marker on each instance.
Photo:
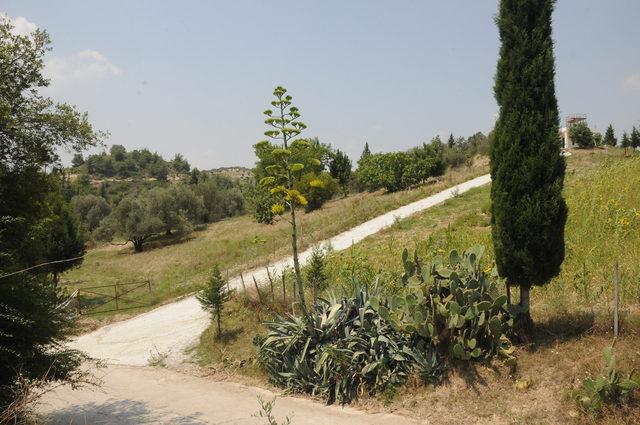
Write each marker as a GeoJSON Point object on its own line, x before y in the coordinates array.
{"type": "Point", "coordinates": [115, 290]}
{"type": "Point", "coordinates": [244, 288]}
{"type": "Point", "coordinates": [257, 289]}
{"type": "Point", "coordinates": [284, 287]}
{"type": "Point", "coordinates": [508, 294]}
{"type": "Point", "coordinates": [616, 298]}
{"type": "Point", "coordinates": [271, 284]}
{"type": "Point", "coordinates": [78, 306]}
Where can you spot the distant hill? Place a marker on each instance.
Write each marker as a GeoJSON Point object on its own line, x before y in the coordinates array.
{"type": "Point", "coordinates": [233, 172]}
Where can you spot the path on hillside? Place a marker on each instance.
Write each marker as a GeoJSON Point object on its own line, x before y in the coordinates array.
{"type": "Point", "coordinates": [144, 395]}
{"type": "Point", "coordinates": [172, 328]}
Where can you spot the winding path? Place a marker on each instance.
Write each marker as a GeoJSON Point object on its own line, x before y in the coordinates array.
{"type": "Point", "coordinates": [173, 328]}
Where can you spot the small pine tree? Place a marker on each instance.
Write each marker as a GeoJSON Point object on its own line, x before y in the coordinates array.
{"type": "Point", "coordinates": [316, 274]}
{"type": "Point", "coordinates": [214, 296]}
{"type": "Point", "coordinates": [610, 137]}
{"type": "Point", "coordinates": [625, 142]}
{"type": "Point", "coordinates": [451, 142]}
{"type": "Point", "coordinates": [635, 138]}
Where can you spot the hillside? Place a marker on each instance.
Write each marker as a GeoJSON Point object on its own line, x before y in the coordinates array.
{"type": "Point", "coordinates": [573, 312]}
{"type": "Point", "coordinates": [176, 266]}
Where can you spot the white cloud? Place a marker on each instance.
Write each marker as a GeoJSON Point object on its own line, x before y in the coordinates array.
{"type": "Point", "coordinates": [81, 67]}
{"type": "Point", "coordinates": [632, 82]}
{"type": "Point", "coordinates": [21, 25]}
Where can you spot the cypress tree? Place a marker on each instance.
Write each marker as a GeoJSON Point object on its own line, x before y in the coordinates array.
{"type": "Point", "coordinates": [528, 211]}
{"type": "Point", "coordinates": [610, 137]}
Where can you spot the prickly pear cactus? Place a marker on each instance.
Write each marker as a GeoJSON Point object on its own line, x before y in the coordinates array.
{"type": "Point", "coordinates": [454, 304]}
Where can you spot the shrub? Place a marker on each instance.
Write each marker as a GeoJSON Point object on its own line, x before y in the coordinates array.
{"type": "Point", "coordinates": [455, 307]}
{"type": "Point", "coordinates": [353, 351]}
{"type": "Point", "coordinates": [369, 343]}
{"type": "Point", "coordinates": [605, 390]}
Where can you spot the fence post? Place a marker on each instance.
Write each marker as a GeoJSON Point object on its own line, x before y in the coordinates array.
{"type": "Point", "coordinates": [115, 290]}
{"type": "Point", "coordinates": [284, 287]}
{"type": "Point", "coordinates": [257, 289]}
{"type": "Point", "coordinates": [78, 306]}
{"type": "Point", "coordinates": [273, 297]}
{"type": "Point", "coordinates": [616, 298]}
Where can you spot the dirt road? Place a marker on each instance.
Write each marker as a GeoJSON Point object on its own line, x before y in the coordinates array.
{"type": "Point", "coordinates": [144, 395]}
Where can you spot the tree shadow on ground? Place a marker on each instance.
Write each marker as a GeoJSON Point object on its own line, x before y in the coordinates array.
{"type": "Point", "coordinates": [229, 335]}
{"type": "Point", "coordinates": [560, 328]}
{"type": "Point", "coordinates": [117, 412]}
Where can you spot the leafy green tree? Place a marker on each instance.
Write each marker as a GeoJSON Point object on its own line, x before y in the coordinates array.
{"type": "Point", "coordinates": [340, 169]}
{"type": "Point", "coordinates": [65, 239]}
{"type": "Point", "coordinates": [528, 213]}
{"type": "Point", "coordinates": [625, 142]}
{"type": "Point", "coordinates": [33, 129]}
{"type": "Point", "coordinates": [118, 153]}
{"type": "Point", "coordinates": [91, 210]}
{"type": "Point", "coordinates": [180, 165]}
{"type": "Point", "coordinates": [597, 139]}
{"type": "Point", "coordinates": [214, 296]}
{"type": "Point", "coordinates": [285, 126]}
{"type": "Point", "coordinates": [316, 187]}
{"type": "Point", "coordinates": [78, 160]}
{"type": "Point", "coordinates": [135, 221]}
{"type": "Point", "coordinates": [581, 135]}
{"type": "Point", "coordinates": [222, 197]}
{"type": "Point", "coordinates": [610, 137]}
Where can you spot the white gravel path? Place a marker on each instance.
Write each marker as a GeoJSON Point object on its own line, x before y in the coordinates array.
{"type": "Point", "coordinates": [143, 395]}
{"type": "Point", "coordinates": [174, 327]}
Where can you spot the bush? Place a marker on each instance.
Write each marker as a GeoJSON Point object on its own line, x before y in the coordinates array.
{"type": "Point", "coordinates": [353, 351]}
{"type": "Point", "coordinates": [368, 343]}
{"type": "Point", "coordinates": [455, 307]}
{"type": "Point", "coordinates": [317, 189]}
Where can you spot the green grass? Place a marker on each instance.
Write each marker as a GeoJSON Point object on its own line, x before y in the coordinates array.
{"type": "Point", "coordinates": [603, 196]}
{"type": "Point", "coordinates": [176, 267]}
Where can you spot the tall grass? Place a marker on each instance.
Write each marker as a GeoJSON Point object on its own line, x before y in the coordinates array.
{"type": "Point", "coordinates": [602, 192]}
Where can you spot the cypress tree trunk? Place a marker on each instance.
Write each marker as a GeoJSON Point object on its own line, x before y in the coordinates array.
{"type": "Point", "coordinates": [528, 212]}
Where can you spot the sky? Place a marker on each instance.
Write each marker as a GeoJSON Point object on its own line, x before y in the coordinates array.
{"type": "Point", "coordinates": [193, 77]}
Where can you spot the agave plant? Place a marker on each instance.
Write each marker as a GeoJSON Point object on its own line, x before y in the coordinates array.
{"type": "Point", "coordinates": [353, 351]}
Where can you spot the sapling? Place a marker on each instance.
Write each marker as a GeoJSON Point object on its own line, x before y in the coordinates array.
{"type": "Point", "coordinates": [214, 296]}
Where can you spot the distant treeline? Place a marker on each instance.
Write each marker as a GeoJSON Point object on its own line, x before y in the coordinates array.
{"type": "Point", "coordinates": [122, 164]}
{"type": "Point", "coordinates": [136, 202]}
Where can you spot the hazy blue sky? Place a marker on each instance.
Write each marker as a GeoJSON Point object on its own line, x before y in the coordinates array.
{"type": "Point", "coordinates": [195, 76]}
